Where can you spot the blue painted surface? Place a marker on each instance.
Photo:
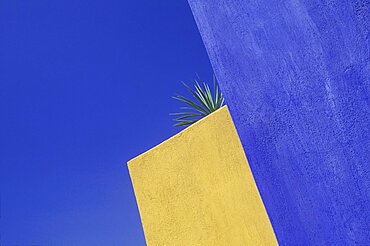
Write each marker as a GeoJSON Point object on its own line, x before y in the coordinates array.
{"type": "Point", "coordinates": [296, 75]}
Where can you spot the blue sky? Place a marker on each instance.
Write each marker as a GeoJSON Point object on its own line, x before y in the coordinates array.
{"type": "Point", "coordinates": [84, 87]}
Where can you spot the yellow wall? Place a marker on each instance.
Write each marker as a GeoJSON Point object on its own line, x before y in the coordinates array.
{"type": "Point", "coordinates": [197, 189]}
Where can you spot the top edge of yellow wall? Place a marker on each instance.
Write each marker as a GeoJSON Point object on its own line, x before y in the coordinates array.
{"type": "Point", "coordinates": [177, 135]}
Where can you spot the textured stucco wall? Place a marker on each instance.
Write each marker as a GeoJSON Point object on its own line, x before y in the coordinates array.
{"type": "Point", "coordinates": [296, 76]}
{"type": "Point", "coordinates": [197, 189]}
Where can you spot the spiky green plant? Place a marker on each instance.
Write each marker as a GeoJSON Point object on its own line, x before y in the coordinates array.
{"type": "Point", "coordinates": [204, 104]}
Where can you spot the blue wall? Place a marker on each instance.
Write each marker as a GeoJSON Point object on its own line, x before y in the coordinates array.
{"type": "Point", "coordinates": [295, 74]}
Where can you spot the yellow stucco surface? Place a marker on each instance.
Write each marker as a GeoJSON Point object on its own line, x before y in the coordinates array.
{"type": "Point", "coordinates": [197, 189]}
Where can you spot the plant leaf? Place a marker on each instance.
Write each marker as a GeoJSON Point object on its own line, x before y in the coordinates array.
{"type": "Point", "coordinates": [185, 123]}
{"type": "Point", "coordinates": [190, 103]}
{"type": "Point", "coordinates": [206, 102]}
{"type": "Point", "coordinates": [197, 96]}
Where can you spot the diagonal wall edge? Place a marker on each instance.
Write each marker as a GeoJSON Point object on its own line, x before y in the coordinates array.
{"type": "Point", "coordinates": [296, 76]}
{"type": "Point", "coordinates": [197, 189]}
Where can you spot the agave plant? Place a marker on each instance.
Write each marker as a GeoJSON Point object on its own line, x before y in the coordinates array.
{"type": "Point", "coordinates": [204, 104]}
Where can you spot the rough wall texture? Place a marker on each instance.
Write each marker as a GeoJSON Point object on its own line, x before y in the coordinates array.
{"type": "Point", "coordinates": [296, 76]}
{"type": "Point", "coordinates": [197, 189]}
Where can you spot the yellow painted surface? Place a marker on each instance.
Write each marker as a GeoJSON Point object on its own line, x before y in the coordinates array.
{"type": "Point", "coordinates": [197, 189]}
